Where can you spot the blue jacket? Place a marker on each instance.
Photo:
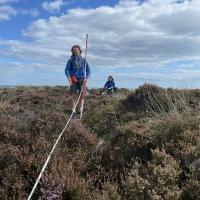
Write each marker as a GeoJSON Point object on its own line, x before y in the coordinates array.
{"type": "Point", "coordinates": [109, 84]}
{"type": "Point", "coordinates": [75, 66]}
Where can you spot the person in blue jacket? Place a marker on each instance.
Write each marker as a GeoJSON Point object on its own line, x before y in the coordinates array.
{"type": "Point", "coordinates": [110, 85]}
{"type": "Point", "coordinates": [75, 72]}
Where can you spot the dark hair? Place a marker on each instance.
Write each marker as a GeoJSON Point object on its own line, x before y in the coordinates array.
{"type": "Point", "coordinates": [110, 77]}
{"type": "Point", "coordinates": [76, 46]}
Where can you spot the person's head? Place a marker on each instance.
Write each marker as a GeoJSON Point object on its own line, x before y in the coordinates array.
{"type": "Point", "coordinates": [76, 50]}
{"type": "Point", "coordinates": [110, 78]}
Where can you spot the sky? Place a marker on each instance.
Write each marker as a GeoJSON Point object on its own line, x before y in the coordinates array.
{"type": "Point", "coordinates": [135, 41]}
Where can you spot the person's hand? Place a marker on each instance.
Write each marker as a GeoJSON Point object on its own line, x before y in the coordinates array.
{"type": "Point", "coordinates": [70, 81]}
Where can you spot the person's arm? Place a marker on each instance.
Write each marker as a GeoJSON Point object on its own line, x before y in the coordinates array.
{"type": "Point", "coordinates": [68, 69]}
{"type": "Point", "coordinates": [113, 84]}
{"type": "Point", "coordinates": [106, 84]}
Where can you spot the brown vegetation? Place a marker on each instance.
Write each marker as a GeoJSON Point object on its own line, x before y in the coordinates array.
{"type": "Point", "coordinates": [142, 146]}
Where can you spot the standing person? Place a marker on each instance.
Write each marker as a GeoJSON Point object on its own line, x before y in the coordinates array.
{"type": "Point", "coordinates": [75, 72]}
{"type": "Point", "coordinates": [110, 85]}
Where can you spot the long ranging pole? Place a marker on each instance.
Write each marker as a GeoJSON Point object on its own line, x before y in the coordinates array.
{"type": "Point", "coordinates": [84, 81]}
{"type": "Point", "coordinates": [86, 47]}
{"type": "Point", "coordinates": [81, 97]}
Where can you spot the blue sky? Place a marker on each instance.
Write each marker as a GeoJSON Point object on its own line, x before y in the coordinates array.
{"type": "Point", "coordinates": [135, 41]}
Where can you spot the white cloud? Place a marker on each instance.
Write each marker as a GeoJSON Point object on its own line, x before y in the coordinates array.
{"type": "Point", "coordinates": [128, 33]}
{"type": "Point", "coordinates": [17, 73]}
{"type": "Point", "coordinates": [33, 12]}
{"type": "Point", "coordinates": [30, 51]}
{"type": "Point", "coordinates": [151, 34]}
{"type": "Point", "coordinates": [7, 1]}
{"type": "Point", "coordinates": [53, 6]}
{"type": "Point", "coordinates": [6, 12]}
{"type": "Point", "coordinates": [176, 75]}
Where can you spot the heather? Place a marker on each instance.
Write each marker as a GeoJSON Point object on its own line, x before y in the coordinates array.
{"type": "Point", "coordinates": [132, 145]}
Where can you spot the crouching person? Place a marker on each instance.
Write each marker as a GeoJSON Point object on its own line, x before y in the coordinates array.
{"type": "Point", "coordinates": [110, 85]}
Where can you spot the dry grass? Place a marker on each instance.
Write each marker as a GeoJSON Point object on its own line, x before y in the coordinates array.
{"type": "Point", "coordinates": [143, 146]}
